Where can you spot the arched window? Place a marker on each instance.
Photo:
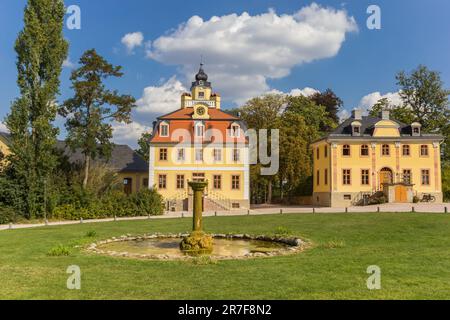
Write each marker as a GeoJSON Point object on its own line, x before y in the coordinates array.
{"type": "Point", "coordinates": [364, 150]}
{"type": "Point", "coordinates": [385, 150]}
{"type": "Point", "coordinates": [235, 131]}
{"type": "Point", "coordinates": [346, 150]}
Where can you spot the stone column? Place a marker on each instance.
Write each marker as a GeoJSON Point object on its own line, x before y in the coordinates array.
{"type": "Point", "coordinates": [374, 166]}
{"type": "Point", "coordinates": [437, 178]}
{"type": "Point", "coordinates": [334, 165]}
{"type": "Point", "coordinates": [198, 188]}
{"type": "Point", "coordinates": [397, 162]}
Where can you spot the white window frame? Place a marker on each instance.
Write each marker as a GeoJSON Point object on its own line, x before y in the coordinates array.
{"type": "Point", "coordinates": [237, 133]}
{"type": "Point", "coordinates": [217, 152]}
{"type": "Point", "coordinates": [196, 128]}
{"type": "Point", "coordinates": [161, 125]}
{"type": "Point", "coordinates": [182, 152]}
{"type": "Point", "coordinates": [199, 151]}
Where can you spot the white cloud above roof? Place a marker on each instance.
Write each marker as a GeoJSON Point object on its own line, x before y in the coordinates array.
{"type": "Point", "coordinates": [161, 99]}
{"type": "Point", "coordinates": [128, 134]}
{"type": "Point", "coordinates": [370, 99]}
{"type": "Point", "coordinates": [242, 52]}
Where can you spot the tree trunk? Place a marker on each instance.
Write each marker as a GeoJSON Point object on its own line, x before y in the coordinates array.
{"type": "Point", "coordinates": [87, 161]}
{"type": "Point", "coordinates": [269, 192]}
{"type": "Point", "coordinates": [281, 191]}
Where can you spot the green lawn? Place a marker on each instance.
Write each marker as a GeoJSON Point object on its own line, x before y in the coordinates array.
{"type": "Point", "coordinates": [412, 250]}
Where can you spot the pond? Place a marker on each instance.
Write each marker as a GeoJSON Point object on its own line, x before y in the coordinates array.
{"type": "Point", "coordinates": [171, 247]}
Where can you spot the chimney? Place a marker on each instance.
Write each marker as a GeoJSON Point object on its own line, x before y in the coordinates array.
{"type": "Point", "coordinates": [357, 114]}
{"type": "Point", "coordinates": [385, 115]}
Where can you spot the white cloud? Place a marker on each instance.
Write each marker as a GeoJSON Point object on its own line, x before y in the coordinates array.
{"type": "Point", "coordinates": [303, 92]}
{"type": "Point", "coordinates": [128, 133]}
{"type": "Point", "coordinates": [68, 64]}
{"type": "Point", "coordinates": [3, 127]}
{"type": "Point", "coordinates": [244, 51]}
{"type": "Point", "coordinates": [307, 92]}
{"type": "Point", "coordinates": [343, 115]}
{"type": "Point", "coordinates": [161, 99]}
{"type": "Point", "coordinates": [132, 40]}
{"type": "Point", "coordinates": [369, 100]}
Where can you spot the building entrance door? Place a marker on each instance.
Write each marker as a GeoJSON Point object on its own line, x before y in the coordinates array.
{"type": "Point", "coordinates": [400, 194]}
{"type": "Point", "coordinates": [385, 177]}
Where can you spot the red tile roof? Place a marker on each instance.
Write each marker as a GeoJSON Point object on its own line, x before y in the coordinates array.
{"type": "Point", "coordinates": [186, 113]}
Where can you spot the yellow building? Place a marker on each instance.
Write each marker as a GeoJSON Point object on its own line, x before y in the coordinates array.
{"type": "Point", "coordinates": [200, 142]}
{"type": "Point", "coordinates": [368, 158]}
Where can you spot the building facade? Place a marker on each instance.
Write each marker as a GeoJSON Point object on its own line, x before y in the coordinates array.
{"type": "Point", "coordinates": [368, 158]}
{"type": "Point", "coordinates": [199, 142]}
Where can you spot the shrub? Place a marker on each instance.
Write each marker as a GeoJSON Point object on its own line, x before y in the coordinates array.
{"type": "Point", "coordinates": [59, 250]}
{"type": "Point", "coordinates": [91, 234]}
{"type": "Point", "coordinates": [149, 202]}
{"type": "Point", "coordinates": [113, 203]}
{"type": "Point", "coordinates": [7, 214]}
{"type": "Point", "coordinates": [416, 199]}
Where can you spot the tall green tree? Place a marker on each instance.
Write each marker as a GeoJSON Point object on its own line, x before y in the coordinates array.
{"type": "Point", "coordinates": [41, 50]}
{"type": "Point", "coordinates": [262, 112]}
{"type": "Point", "coordinates": [422, 90]}
{"type": "Point", "coordinates": [303, 121]}
{"type": "Point", "coordinates": [93, 108]}
{"type": "Point", "coordinates": [144, 146]}
{"type": "Point", "coordinates": [332, 103]}
{"type": "Point", "coordinates": [401, 113]}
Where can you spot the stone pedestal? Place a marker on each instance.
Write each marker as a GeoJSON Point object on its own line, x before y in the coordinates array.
{"type": "Point", "coordinates": [197, 242]}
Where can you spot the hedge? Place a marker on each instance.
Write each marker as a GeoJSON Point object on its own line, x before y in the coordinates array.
{"type": "Point", "coordinates": [114, 203]}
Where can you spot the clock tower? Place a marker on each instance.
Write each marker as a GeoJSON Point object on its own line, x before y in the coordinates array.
{"type": "Point", "coordinates": [200, 142]}
{"type": "Point", "coordinates": [201, 93]}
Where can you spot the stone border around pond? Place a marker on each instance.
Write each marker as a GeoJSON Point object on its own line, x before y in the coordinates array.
{"type": "Point", "coordinates": [294, 245]}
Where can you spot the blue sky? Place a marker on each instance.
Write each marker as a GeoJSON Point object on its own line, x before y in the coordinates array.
{"type": "Point", "coordinates": [334, 50]}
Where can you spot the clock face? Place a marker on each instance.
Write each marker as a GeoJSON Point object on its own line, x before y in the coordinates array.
{"type": "Point", "coordinates": [201, 111]}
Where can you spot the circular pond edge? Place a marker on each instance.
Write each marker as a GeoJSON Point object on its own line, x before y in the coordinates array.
{"type": "Point", "coordinates": [293, 245]}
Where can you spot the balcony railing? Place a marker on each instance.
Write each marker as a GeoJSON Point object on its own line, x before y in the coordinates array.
{"type": "Point", "coordinates": [191, 103]}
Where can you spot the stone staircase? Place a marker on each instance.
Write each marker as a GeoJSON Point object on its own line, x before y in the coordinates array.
{"type": "Point", "coordinates": [368, 198]}
{"type": "Point", "coordinates": [216, 201]}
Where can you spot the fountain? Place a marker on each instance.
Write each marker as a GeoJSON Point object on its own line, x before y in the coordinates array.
{"type": "Point", "coordinates": [217, 246]}
{"type": "Point", "coordinates": [197, 242]}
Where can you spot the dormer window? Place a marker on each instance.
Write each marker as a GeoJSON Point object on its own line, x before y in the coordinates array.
{"type": "Point", "coordinates": [164, 130]}
{"type": "Point", "coordinates": [199, 130]}
{"type": "Point", "coordinates": [416, 129]}
{"type": "Point", "coordinates": [235, 131]}
{"type": "Point", "coordinates": [356, 128]}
